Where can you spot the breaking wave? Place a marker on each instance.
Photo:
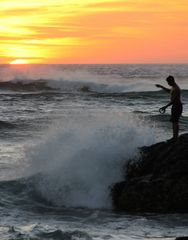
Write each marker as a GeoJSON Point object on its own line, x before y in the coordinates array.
{"type": "Point", "coordinates": [100, 79]}
{"type": "Point", "coordinates": [79, 160]}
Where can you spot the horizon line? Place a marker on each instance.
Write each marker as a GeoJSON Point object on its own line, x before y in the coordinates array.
{"type": "Point", "coordinates": [25, 64]}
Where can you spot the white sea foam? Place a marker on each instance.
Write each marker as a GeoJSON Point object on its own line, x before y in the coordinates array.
{"type": "Point", "coordinates": [127, 79]}
{"type": "Point", "coordinates": [80, 159]}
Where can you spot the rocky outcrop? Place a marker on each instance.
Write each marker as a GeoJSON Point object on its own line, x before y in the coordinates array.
{"type": "Point", "coordinates": [182, 238]}
{"type": "Point", "coordinates": [157, 181]}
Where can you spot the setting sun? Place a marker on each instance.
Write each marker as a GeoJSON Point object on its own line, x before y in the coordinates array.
{"type": "Point", "coordinates": [19, 61]}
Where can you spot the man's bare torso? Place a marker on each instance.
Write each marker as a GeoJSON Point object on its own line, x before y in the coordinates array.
{"type": "Point", "coordinates": [175, 95]}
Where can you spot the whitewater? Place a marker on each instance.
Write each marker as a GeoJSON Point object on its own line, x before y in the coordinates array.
{"type": "Point", "coordinates": [66, 133]}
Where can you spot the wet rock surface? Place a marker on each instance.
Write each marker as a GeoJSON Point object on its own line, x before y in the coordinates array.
{"type": "Point", "coordinates": [157, 181]}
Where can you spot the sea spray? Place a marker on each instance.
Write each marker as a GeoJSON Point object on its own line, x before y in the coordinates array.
{"type": "Point", "coordinates": [97, 78]}
{"type": "Point", "coordinates": [74, 79]}
{"type": "Point", "coordinates": [80, 159]}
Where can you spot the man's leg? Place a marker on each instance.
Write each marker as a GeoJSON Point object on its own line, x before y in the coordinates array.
{"type": "Point", "coordinates": [175, 127]}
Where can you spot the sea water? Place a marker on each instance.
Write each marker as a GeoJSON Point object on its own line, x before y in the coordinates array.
{"type": "Point", "coordinates": [66, 134]}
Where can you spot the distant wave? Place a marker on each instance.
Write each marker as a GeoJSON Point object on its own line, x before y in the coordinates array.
{"type": "Point", "coordinates": [68, 86]}
{"type": "Point", "coordinates": [25, 86]}
{"type": "Point", "coordinates": [90, 78]}
{"type": "Point", "coordinates": [76, 86]}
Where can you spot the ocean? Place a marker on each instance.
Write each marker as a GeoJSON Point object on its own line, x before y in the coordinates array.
{"type": "Point", "coordinates": [66, 133]}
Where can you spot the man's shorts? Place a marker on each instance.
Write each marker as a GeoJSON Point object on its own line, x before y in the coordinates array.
{"type": "Point", "coordinates": [176, 112]}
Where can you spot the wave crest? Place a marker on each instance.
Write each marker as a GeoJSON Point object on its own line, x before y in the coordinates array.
{"type": "Point", "coordinates": [81, 159]}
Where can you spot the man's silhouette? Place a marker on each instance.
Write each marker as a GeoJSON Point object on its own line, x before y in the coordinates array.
{"type": "Point", "coordinates": [175, 102]}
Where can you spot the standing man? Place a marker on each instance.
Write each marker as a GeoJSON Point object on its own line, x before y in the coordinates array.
{"type": "Point", "coordinates": [175, 102]}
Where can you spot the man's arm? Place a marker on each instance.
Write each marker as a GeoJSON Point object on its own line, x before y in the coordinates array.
{"type": "Point", "coordinates": [169, 104]}
{"type": "Point", "coordinates": [163, 109]}
{"type": "Point", "coordinates": [164, 88]}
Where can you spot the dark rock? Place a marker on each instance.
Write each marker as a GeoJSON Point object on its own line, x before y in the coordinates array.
{"type": "Point", "coordinates": [157, 181]}
{"type": "Point", "coordinates": [181, 238]}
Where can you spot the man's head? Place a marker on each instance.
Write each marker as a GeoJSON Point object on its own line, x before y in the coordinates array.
{"type": "Point", "coordinates": [170, 80]}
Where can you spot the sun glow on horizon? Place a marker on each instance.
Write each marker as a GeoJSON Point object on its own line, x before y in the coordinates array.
{"type": "Point", "coordinates": [19, 61]}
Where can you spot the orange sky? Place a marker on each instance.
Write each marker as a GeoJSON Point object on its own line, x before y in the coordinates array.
{"type": "Point", "coordinates": [94, 31]}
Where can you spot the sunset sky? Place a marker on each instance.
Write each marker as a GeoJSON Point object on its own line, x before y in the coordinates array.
{"type": "Point", "coordinates": [94, 31]}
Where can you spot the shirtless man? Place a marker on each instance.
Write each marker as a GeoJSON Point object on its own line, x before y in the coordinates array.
{"type": "Point", "coordinates": [175, 102]}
